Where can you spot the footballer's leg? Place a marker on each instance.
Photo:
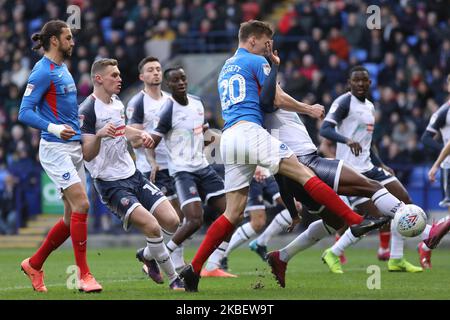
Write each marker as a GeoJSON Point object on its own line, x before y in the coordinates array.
{"type": "Point", "coordinates": [219, 230]}
{"type": "Point", "coordinates": [77, 198]}
{"type": "Point", "coordinates": [59, 233]}
{"type": "Point", "coordinates": [155, 249]}
{"type": "Point", "coordinates": [317, 189]}
{"type": "Point", "coordinates": [213, 265]}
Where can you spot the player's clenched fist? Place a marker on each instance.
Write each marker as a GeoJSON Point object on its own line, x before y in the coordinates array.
{"type": "Point", "coordinates": [147, 140]}
{"type": "Point", "coordinates": [317, 111]}
{"type": "Point", "coordinates": [109, 130]}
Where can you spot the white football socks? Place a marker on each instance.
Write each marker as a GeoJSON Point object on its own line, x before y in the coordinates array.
{"type": "Point", "coordinates": [397, 243]}
{"type": "Point", "coordinates": [242, 234]}
{"type": "Point", "coordinates": [176, 253]}
{"type": "Point", "coordinates": [386, 202]}
{"type": "Point", "coordinates": [279, 224]}
{"type": "Point", "coordinates": [346, 240]}
{"type": "Point", "coordinates": [157, 250]}
{"type": "Point", "coordinates": [315, 232]}
{"type": "Point", "coordinates": [215, 258]}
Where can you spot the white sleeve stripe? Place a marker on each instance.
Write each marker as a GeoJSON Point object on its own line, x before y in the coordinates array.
{"type": "Point", "coordinates": [432, 130]}
{"type": "Point", "coordinates": [331, 120]}
{"type": "Point", "coordinates": [157, 133]}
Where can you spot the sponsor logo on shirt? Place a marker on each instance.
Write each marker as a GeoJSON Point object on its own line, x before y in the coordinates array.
{"type": "Point", "coordinates": [70, 88]}
{"type": "Point", "coordinates": [120, 131]}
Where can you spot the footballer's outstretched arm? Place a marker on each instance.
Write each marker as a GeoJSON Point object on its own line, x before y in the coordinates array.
{"type": "Point", "coordinates": [286, 102]}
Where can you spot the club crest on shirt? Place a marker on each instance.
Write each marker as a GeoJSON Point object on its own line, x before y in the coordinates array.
{"type": "Point", "coordinates": [266, 69]}
{"type": "Point", "coordinates": [81, 120]}
{"type": "Point", "coordinates": [283, 146]}
{"type": "Point", "coordinates": [130, 111]}
{"type": "Point", "coordinates": [66, 176]}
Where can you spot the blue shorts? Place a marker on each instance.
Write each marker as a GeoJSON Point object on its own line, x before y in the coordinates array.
{"type": "Point", "coordinates": [165, 183]}
{"type": "Point", "coordinates": [260, 191]}
{"type": "Point", "coordinates": [445, 182]}
{"type": "Point", "coordinates": [123, 196]}
{"type": "Point", "coordinates": [200, 185]}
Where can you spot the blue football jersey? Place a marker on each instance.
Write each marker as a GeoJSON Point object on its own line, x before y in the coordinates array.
{"type": "Point", "coordinates": [240, 83]}
{"type": "Point", "coordinates": [50, 97]}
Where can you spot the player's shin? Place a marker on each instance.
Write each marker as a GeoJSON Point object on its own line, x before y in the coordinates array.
{"type": "Point", "coordinates": [315, 232]}
{"type": "Point", "coordinates": [346, 240]}
{"type": "Point", "coordinates": [279, 224]}
{"type": "Point", "coordinates": [242, 234]}
{"type": "Point", "coordinates": [158, 251]}
{"type": "Point", "coordinates": [215, 258]}
{"type": "Point", "coordinates": [217, 232]}
{"type": "Point", "coordinates": [78, 233]}
{"type": "Point", "coordinates": [55, 237]}
{"type": "Point", "coordinates": [386, 202]}
{"type": "Point", "coordinates": [323, 194]}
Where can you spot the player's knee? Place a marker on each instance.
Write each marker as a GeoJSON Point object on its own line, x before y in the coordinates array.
{"type": "Point", "coordinates": [195, 223]}
{"type": "Point", "coordinates": [152, 230]}
{"type": "Point", "coordinates": [258, 223]}
{"type": "Point", "coordinates": [173, 224]}
{"type": "Point", "coordinates": [372, 186]}
{"type": "Point", "coordinates": [81, 206]}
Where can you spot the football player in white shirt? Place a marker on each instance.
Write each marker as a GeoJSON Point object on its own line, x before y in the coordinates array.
{"type": "Point", "coordinates": [142, 110]}
{"type": "Point", "coordinates": [350, 123]}
{"type": "Point", "coordinates": [288, 128]}
{"type": "Point", "coordinates": [182, 124]}
{"type": "Point", "coordinates": [123, 188]}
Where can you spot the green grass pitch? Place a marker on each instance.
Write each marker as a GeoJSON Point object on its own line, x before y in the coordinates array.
{"type": "Point", "coordinates": [307, 278]}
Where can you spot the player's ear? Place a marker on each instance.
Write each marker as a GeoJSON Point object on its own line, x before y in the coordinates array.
{"type": "Point", "coordinates": [141, 76]}
{"type": "Point", "coordinates": [54, 40]}
{"type": "Point", "coordinates": [98, 78]}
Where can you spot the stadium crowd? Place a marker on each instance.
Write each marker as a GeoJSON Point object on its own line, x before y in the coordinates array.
{"type": "Point", "coordinates": [319, 41]}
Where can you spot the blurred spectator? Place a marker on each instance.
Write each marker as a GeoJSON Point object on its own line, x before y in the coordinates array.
{"type": "Point", "coordinates": [26, 173]}
{"type": "Point", "coordinates": [8, 216]}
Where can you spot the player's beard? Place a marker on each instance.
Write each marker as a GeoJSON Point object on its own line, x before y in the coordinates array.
{"type": "Point", "coordinates": [66, 53]}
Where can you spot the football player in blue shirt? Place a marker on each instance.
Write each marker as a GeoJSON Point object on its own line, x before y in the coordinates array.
{"type": "Point", "coordinates": [50, 104]}
{"type": "Point", "coordinates": [247, 88]}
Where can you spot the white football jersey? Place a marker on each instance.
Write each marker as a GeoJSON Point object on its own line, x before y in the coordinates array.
{"type": "Point", "coordinates": [113, 161]}
{"type": "Point", "coordinates": [182, 129]}
{"type": "Point", "coordinates": [354, 119]}
{"type": "Point", "coordinates": [440, 122]}
{"type": "Point", "coordinates": [143, 109]}
{"type": "Point", "coordinates": [287, 127]}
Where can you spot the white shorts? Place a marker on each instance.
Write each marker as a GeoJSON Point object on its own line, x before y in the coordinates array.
{"type": "Point", "coordinates": [63, 162]}
{"type": "Point", "coordinates": [243, 147]}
